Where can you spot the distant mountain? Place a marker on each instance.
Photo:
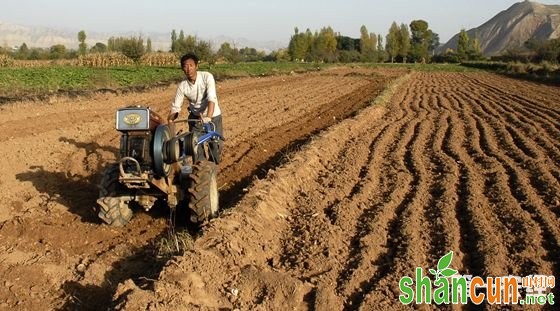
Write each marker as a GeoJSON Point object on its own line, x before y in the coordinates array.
{"type": "Point", "coordinates": [12, 35]}
{"type": "Point", "coordinates": [513, 27]}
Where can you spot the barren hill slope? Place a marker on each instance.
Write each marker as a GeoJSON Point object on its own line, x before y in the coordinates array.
{"type": "Point", "coordinates": [512, 27]}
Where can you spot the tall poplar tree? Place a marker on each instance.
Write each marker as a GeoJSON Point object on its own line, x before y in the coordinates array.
{"type": "Point", "coordinates": [82, 47]}
{"type": "Point", "coordinates": [173, 40]}
{"type": "Point", "coordinates": [392, 44]}
{"type": "Point", "coordinates": [368, 44]}
{"type": "Point", "coordinates": [463, 45]}
{"type": "Point", "coordinates": [404, 42]}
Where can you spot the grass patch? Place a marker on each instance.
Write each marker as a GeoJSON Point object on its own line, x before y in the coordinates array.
{"type": "Point", "coordinates": [442, 68]}
{"type": "Point", "coordinates": [421, 67]}
{"type": "Point", "coordinates": [174, 243]}
{"type": "Point", "coordinates": [390, 90]}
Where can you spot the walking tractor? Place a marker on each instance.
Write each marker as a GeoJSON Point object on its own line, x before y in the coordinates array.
{"type": "Point", "coordinates": [156, 162]}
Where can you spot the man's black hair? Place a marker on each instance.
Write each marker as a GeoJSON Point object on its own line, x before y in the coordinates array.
{"type": "Point", "coordinates": [189, 56]}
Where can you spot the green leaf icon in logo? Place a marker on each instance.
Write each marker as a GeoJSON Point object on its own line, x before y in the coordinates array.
{"type": "Point", "coordinates": [448, 272]}
{"type": "Point", "coordinates": [445, 261]}
{"type": "Point", "coordinates": [443, 269]}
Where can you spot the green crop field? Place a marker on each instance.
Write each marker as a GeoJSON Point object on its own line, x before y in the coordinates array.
{"type": "Point", "coordinates": [38, 80]}
{"type": "Point", "coordinates": [42, 80]}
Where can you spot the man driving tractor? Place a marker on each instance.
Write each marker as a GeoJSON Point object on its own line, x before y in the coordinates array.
{"type": "Point", "coordinates": [199, 88]}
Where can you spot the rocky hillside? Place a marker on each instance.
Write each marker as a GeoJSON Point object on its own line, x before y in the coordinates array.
{"type": "Point", "coordinates": [512, 27]}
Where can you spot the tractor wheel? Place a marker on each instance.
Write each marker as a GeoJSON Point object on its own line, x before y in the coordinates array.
{"type": "Point", "coordinates": [113, 201]}
{"type": "Point", "coordinates": [203, 192]}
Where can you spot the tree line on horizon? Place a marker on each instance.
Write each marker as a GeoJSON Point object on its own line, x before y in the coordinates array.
{"type": "Point", "coordinates": [415, 43]}
{"type": "Point", "coordinates": [402, 44]}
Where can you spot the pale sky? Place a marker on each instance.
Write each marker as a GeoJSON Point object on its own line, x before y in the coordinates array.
{"type": "Point", "coordinates": [257, 20]}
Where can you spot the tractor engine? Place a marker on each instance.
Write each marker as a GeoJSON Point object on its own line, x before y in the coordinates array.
{"type": "Point", "coordinates": [137, 126]}
{"type": "Point", "coordinates": [155, 163]}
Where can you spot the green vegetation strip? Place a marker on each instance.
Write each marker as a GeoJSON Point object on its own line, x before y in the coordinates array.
{"type": "Point", "coordinates": [44, 80]}
{"type": "Point", "coordinates": [40, 80]}
{"type": "Point", "coordinates": [422, 67]}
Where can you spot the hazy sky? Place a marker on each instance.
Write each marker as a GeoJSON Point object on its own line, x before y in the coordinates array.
{"type": "Point", "coordinates": [258, 20]}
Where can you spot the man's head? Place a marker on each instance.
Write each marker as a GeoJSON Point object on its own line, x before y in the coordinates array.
{"type": "Point", "coordinates": [189, 64]}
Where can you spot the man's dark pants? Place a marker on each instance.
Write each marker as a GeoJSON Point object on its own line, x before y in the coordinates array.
{"type": "Point", "coordinates": [214, 146]}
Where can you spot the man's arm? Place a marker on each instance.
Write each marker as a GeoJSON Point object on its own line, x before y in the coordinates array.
{"type": "Point", "coordinates": [210, 109]}
{"type": "Point", "coordinates": [176, 104]}
{"type": "Point", "coordinates": [211, 95]}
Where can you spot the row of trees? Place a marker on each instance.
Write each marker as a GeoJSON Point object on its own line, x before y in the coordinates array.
{"type": "Point", "coordinates": [322, 46]}
{"type": "Point", "coordinates": [401, 44]}
{"type": "Point", "coordinates": [415, 42]}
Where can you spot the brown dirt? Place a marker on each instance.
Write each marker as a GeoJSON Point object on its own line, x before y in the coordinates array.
{"type": "Point", "coordinates": [329, 200]}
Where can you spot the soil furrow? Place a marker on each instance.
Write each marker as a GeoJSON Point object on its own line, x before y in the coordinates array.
{"type": "Point", "coordinates": [532, 141]}
{"type": "Point", "coordinates": [516, 224]}
{"type": "Point", "coordinates": [385, 225]}
{"type": "Point", "coordinates": [480, 243]}
{"type": "Point", "coordinates": [520, 187]}
{"type": "Point", "coordinates": [445, 194]}
{"type": "Point", "coordinates": [548, 129]}
{"type": "Point", "coordinates": [531, 137]}
{"type": "Point", "coordinates": [399, 191]}
{"type": "Point", "coordinates": [549, 105]}
{"type": "Point", "coordinates": [417, 242]}
{"type": "Point", "coordinates": [383, 147]}
{"type": "Point", "coordinates": [544, 116]}
{"type": "Point", "coordinates": [511, 221]}
{"type": "Point", "coordinates": [344, 180]}
{"type": "Point", "coordinates": [320, 230]}
{"type": "Point", "coordinates": [541, 169]}
{"type": "Point", "coordinates": [504, 218]}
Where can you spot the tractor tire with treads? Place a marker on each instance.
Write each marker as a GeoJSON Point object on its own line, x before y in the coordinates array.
{"type": "Point", "coordinates": [203, 192]}
{"type": "Point", "coordinates": [113, 204]}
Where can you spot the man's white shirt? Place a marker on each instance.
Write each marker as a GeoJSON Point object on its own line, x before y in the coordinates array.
{"type": "Point", "coordinates": [198, 94]}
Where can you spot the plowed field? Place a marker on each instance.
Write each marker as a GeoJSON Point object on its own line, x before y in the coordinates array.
{"type": "Point", "coordinates": [329, 199]}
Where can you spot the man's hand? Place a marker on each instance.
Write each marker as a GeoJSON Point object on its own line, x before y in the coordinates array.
{"type": "Point", "coordinates": [172, 116]}
{"type": "Point", "coordinates": [206, 119]}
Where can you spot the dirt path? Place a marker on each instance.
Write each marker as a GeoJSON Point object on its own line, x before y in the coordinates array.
{"type": "Point", "coordinates": [462, 162]}
{"type": "Point", "coordinates": [54, 251]}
